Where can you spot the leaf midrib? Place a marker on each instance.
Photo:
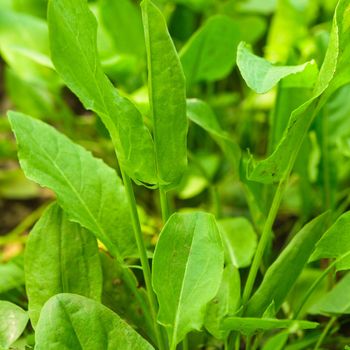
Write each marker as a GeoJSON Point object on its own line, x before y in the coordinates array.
{"type": "Point", "coordinates": [74, 190]}
{"type": "Point", "coordinates": [177, 315]}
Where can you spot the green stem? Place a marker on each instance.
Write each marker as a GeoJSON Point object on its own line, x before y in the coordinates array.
{"type": "Point", "coordinates": [143, 256]}
{"type": "Point", "coordinates": [130, 282]}
{"type": "Point", "coordinates": [185, 345]}
{"type": "Point", "coordinates": [164, 204]}
{"type": "Point", "coordinates": [325, 332]}
{"type": "Point", "coordinates": [264, 239]}
{"type": "Point", "coordinates": [217, 209]}
{"type": "Point", "coordinates": [248, 343]}
{"type": "Point", "coordinates": [238, 342]}
{"type": "Point", "coordinates": [325, 161]}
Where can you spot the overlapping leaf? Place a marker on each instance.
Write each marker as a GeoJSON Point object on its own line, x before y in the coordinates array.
{"type": "Point", "coordinates": [334, 73]}
{"type": "Point", "coordinates": [251, 325]}
{"type": "Point", "coordinates": [259, 74]}
{"type": "Point", "coordinates": [282, 274]}
{"type": "Point", "coordinates": [336, 301]}
{"type": "Point", "coordinates": [70, 321]}
{"type": "Point", "coordinates": [57, 252]}
{"type": "Point", "coordinates": [166, 84]}
{"type": "Point", "coordinates": [240, 240]}
{"type": "Point", "coordinates": [72, 32]}
{"type": "Point", "coordinates": [225, 303]}
{"type": "Point", "coordinates": [13, 321]}
{"type": "Point", "coordinates": [210, 54]}
{"type": "Point", "coordinates": [87, 189]}
{"type": "Point", "coordinates": [335, 243]}
{"type": "Point", "coordinates": [187, 268]}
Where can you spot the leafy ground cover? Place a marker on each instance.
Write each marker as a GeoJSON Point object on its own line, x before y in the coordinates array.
{"type": "Point", "coordinates": [174, 174]}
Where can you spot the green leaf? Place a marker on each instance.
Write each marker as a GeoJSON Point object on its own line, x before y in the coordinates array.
{"type": "Point", "coordinates": [70, 321]}
{"type": "Point", "coordinates": [301, 287]}
{"type": "Point", "coordinates": [24, 45]}
{"type": "Point", "coordinates": [13, 321]}
{"type": "Point", "coordinates": [225, 303]}
{"type": "Point", "coordinates": [72, 32]}
{"type": "Point", "coordinates": [60, 257]}
{"type": "Point", "coordinates": [284, 271]}
{"type": "Point", "coordinates": [333, 74]}
{"type": "Point", "coordinates": [276, 342]}
{"type": "Point", "coordinates": [251, 325]}
{"type": "Point", "coordinates": [259, 74]}
{"type": "Point", "coordinates": [11, 277]}
{"type": "Point", "coordinates": [210, 54]}
{"type": "Point", "coordinates": [87, 189]}
{"type": "Point", "coordinates": [201, 114]}
{"type": "Point", "coordinates": [336, 301]}
{"type": "Point", "coordinates": [240, 240]}
{"type": "Point", "coordinates": [166, 83]}
{"type": "Point", "coordinates": [187, 269]}
{"type": "Point", "coordinates": [123, 21]}
{"type": "Point", "coordinates": [335, 243]}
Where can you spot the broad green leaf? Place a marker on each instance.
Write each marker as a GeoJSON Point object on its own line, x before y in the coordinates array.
{"type": "Point", "coordinates": [259, 74]}
{"type": "Point", "coordinates": [225, 303]}
{"type": "Point", "coordinates": [70, 321]}
{"type": "Point", "coordinates": [166, 84]}
{"type": "Point", "coordinates": [251, 325]}
{"type": "Point", "coordinates": [60, 257]}
{"type": "Point", "coordinates": [240, 240]}
{"type": "Point", "coordinates": [11, 276]}
{"type": "Point", "coordinates": [334, 73]}
{"type": "Point", "coordinates": [72, 32]}
{"type": "Point", "coordinates": [123, 21]}
{"type": "Point", "coordinates": [336, 301]}
{"type": "Point", "coordinates": [335, 243]}
{"type": "Point", "coordinates": [87, 189]}
{"type": "Point", "coordinates": [201, 114]}
{"type": "Point", "coordinates": [210, 54]}
{"type": "Point", "coordinates": [13, 321]}
{"type": "Point", "coordinates": [187, 268]}
{"type": "Point", "coordinates": [284, 271]}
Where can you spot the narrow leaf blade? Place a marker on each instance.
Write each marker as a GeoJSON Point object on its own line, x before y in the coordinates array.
{"type": "Point", "coordinates": [283, 273]}
{"type": "Point", "coordinates": [72, 31]}
{"type": "Point", "coordinates": [167, 93]}
{"type": "Point", "coordinates": [251, 325]}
